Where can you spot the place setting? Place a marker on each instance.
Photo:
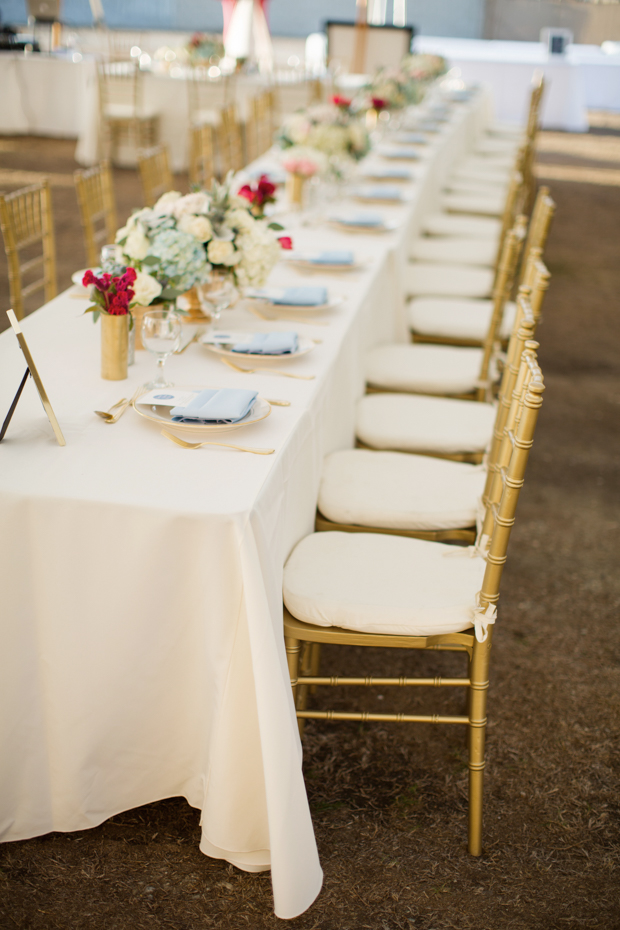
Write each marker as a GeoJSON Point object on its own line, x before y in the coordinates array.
{"type": "Point", "coordinates": [332, 261]}
{"type": "Point", "coordinates": [362, 222]}
{"type": "Point", "coordinates": [291, 303]}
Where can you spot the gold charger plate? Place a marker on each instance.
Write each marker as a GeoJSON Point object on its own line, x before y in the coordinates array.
{"type": "Point", "coordinates": [296, 308]}
{"type": "Point", "coordinates": [161, 416]}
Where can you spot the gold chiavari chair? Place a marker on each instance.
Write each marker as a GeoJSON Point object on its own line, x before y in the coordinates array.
{"type": "Point", "coordinates": [201, 156]}
{"type": "Point", "coordinates": [206, 96]}
{"type": "Point", "coordinates": [443, 427]}
{"type": "Point", "coordinates": [449, 370]}
{"type": "Point", "coordinates": [375, 590]}
{"type": "Point", "coordinates": [258, 133]}
{"type": "Point", "coordinates": [124, 119]}
{"type": "Point", "coordinates": [404, 494]}
{"type": "Point", "coordinates": [462, 320]}
{"type": "Point", "coordinates": [230, 140]}
{"type": "Point", "coordinates": [26, 222]}
{"type": "Point", "coordinates": [155, 173]}
{"type": "Point", "coordinates": [95, 193]}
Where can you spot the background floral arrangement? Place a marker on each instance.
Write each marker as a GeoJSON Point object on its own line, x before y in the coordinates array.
{"type": "Point", "coordinates": [332, 128]}
{"type": "Point", "coordinates": [303, 160]}
{"type": "Point", "coordinates": [174, 245]}
{"type": "Point", "coordinates": [424, 67]}
{"type": "Point", "coordinates": [204, 48]}
{"type": "Point", "coordinates": [394, 88]}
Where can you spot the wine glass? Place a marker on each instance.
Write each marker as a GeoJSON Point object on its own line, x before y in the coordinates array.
{"type": "Point", "coordinates": [219, 292]}
{"type": "Point", "coordinates": [161, 331]}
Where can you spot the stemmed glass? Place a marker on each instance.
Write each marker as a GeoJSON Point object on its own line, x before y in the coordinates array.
{"type": "Point", "coordinates": [219, 292]}
{"type": "Point", "coordinates": [161, 331]}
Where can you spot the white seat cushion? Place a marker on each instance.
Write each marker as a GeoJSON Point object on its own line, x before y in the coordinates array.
{"type": "Point", "coordinates": [484, 205]}
{"type": "Point", "coordinates": [382, 584]}
{"type": "Point", "coordinates": [496, 146]}
{"type": "Point", "coordinates": [424, 369]}
{"type": "Point", "coordinates": [448, 280]}
{"type": "Point", "coordinates": [414, 423]}
{"type": "Point", "coordinates": [488, 176]}
{"type": "Point", "coordinates": [499, 162]}
{"type": "Point", "coordinates": [457, 319]}
{"type": "Point", "coordinates": [449, 224]}
{"type": "Point", "coordinates": [451, 249]}
{"type": "Point", "coordinates": [126, 111]}
{"type": "Point", "coordinates": [398, 491]}
{"type": "Point", "coordinates": [206, 118]}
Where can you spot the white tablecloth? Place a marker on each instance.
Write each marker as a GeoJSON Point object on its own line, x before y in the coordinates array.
{"type": "Point", "coordinates": [583, 79]}
{"type": "Point", "coordinates": [142, 654]}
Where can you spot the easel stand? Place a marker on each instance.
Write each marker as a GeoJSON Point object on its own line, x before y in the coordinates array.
{"type": "Point", "coordinates": [9, 415]}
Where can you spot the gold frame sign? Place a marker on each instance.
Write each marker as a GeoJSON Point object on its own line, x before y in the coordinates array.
{"type": "Point", "coordinates": [30, 370]}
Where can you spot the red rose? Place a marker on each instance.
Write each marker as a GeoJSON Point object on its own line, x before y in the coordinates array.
{"type": "Point", "coordinates": [286, 242]}
{"type": "Point", "coordinates": [265, 189]}
{"type": "Point", "coordinates": [344, 102]}
{"type": "Point", "coordinates": [247, 192]}
{"type": "Point", "coordinates": [379, 103]}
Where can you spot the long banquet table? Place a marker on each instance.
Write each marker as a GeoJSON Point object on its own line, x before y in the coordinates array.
{"type": "Point", "coordinates": [142, 654]}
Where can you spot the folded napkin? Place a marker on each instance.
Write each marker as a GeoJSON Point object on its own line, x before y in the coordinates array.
{"type": "Point", "coordinates": [333, 257]}
{"type": "Point", "coordinates": [360, 219]}
{"type": "Point", "coordinates": [385, 192]}
{"type": "Point", "coordinates": [428, 126]}
{"type": "Point", "coordinates": [291, 296]}
{"type": "Point", "coordinates": [226, 405]}
{"type": "Point", "coordinates": [412, 138]}
{"type": "Point", "coordinates": [390, 174]}
{"type": "Point", "coordinates": [410, 154]}
{"type": "Point", "coordinates": [269, 344]}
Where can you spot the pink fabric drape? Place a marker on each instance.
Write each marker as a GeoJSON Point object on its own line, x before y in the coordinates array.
{"type": "Point", "coordinates": [228, 7]}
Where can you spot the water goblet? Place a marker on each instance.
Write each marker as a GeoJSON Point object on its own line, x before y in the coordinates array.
{"type": "Point", "coordinates": [219, 292]}
{"type": "Point", "coordinates": [161, 331]}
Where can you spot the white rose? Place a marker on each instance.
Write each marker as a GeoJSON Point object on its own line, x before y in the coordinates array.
{"type": "Point", "coordinates": [166, 202]}
{"type": "Point", "coordinates": [191, 203]}
{"type": "Point", "coordinates": [137, 245]}
{"type": "Point", "coordinates": [145, 288]}
{"type": "Point", "coordinates": [219, 251]}
{"type": "Point", "coordinates": [198, 226]}
{"type": "Point", "coordinates": [241, 219]}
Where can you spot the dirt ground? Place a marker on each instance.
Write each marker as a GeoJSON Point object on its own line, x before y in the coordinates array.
{"type": "Point", "coordinates": [389, 801]}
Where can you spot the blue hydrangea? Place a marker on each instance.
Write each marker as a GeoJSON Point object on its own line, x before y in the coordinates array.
{"type": "Point", "coordinates": [180, 256]}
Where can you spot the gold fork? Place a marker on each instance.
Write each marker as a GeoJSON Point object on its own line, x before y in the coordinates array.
{"type": "Point", "coordinates": [122, 405]}
{"type": "Point", "coordinates": [227, 445]}
{"type": "Point", "coordinates": [270, 371]}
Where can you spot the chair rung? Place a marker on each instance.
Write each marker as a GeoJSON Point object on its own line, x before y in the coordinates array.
{"type": "Point", "coordinates": [387, 718]}
{"type": "Point", "coordinates": [31, 263]}
{"type": "Point", "coordinates": [398, 682]}
{"type": "Point", "coordinates": [35, 286]}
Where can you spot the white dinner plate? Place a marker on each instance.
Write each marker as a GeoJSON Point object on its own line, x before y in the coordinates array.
{"type": "Point", "coordinates": [306, 266]}
{"type": "Point", "coordinates": [304, 345]}
{"type": "Point", "coordinates": [161, 416]}
{"type": "Point", "coordinates": [352, 228]}
{"type": "Point", "coordinates": [296, 308]}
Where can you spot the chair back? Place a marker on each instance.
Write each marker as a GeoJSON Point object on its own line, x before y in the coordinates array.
{"type": "Point", "coordinates": [540, 223]}
{"type": "Point", "coordinates": [201, 156]}
{"type": "Point", "coordinates": [119, 89]}
{"type": "Point", "coordinates": [95, 193]}
{"type": "Point", "coordinates": [26, 222]}
{"type": "Point", "coordinates": [155, 173]}
{"type": "Point", "coordinates": [507, 475]}
{"type": "Point", "coordinates": [206, 95]}
{"type": "Point", "coordinates": [258, 133]}
{"type": "Point", "coordinates": [504, 281]}
{"type": "Point", "coordinates": [230, 140]}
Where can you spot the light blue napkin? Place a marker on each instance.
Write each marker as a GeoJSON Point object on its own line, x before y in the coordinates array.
{"type": "Point", "coordinates": [394, 174]}
{"type": "Point", "coordinates": [361, 219]}
{"type": "Point", "coordinates": [333, 257]}
{"type": "Point", "coordinates": [269, 344]}
{"type": "Point", "coordinates": [302, 296]}
{"type": "Point", "coordinates": [226, 405]}
{"type": "Point", "coordinates": [409, 154]}
{"type": "Point", "coordinates": [385, 192]}
{"type": "Point", "coordinates": [412, 138]}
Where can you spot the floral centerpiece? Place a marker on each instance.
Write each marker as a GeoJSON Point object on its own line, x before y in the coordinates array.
{"type": "Point", "coordinates": [392, 89]}
{"type": "Point", "coordinates": [331, 128]}
{"type": "Point", "coordinates": [178, 244]}
{"type": "Point", "coordinates": [424, 67]}
{"type": "Point", "coordinates": [300, 164]}
{"type": "Point", "coordinates": [204, 48]}
{"type": "Point", "coordinates": [112, 297]}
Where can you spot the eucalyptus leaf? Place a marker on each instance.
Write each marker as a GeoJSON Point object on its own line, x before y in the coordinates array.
{"type": "Point", "coordinates": [275, 226]}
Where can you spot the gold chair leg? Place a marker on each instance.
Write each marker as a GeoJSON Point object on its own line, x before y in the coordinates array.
{"type": "Point", "coordinates": [315, 662]}
{"type": "Point", "coordinates": [479, 678]}
{"type": "Point", "coordinates": [293, 648]}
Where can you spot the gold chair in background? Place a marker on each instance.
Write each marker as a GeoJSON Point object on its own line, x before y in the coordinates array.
{"type": "Point", "coordinates": [376, 590]}
{"type": "Point", "coordinates": [230, 141]}
{"type": "Point", "coordinates": [95, 193]}
{"type": "Point", "coordinates": [124, 119]}
{"type": "Point", "coordinates": [258, 128]}
{"type": "Point", "coordinates": [26, 222]}
{"type": "Point", "coordinates": [155, 173]}
{"type": "Point", "coordinates": [201, 156]}
{"type": "Point", "coordinates": [206, 96]}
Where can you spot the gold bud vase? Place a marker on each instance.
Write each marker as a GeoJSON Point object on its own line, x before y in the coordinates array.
{"type": "Point", "coordinates": [114, 337]}
{"type": "Point", "coordinates": [295, 189]}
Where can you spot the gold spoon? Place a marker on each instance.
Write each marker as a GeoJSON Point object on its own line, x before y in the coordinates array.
{"type": "Point", "coordinates": [122, 407]}
{"type": "Point", "coordinates": [269, 371]}
{"type": "Point", "coordinates": [227, 445]}
{"type": "Point", "coordinates": [108, 414]}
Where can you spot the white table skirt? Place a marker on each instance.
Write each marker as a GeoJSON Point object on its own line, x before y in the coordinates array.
{"type": "Point", "coordinates": [142, 654]}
